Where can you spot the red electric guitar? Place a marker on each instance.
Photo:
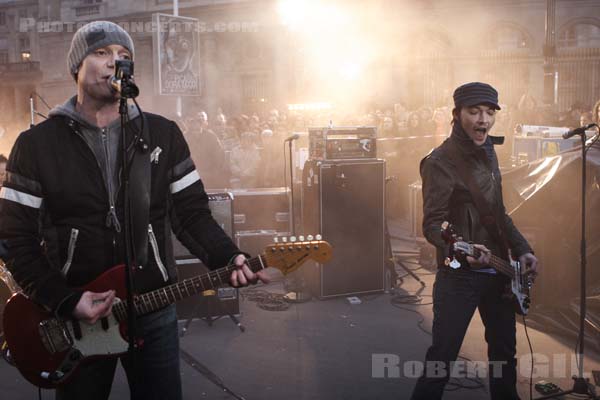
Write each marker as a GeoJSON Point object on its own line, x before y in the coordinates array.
{"type": "Point", "coordinates": [48, 350]}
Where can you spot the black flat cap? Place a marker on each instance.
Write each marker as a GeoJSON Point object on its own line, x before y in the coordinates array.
{"type": "Point", "coordinates": [475, 93]}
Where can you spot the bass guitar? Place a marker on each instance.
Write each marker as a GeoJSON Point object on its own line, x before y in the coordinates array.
{"type": "Point", "coordinates": [520, 282]}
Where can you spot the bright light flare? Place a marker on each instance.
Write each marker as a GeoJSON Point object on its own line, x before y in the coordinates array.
{"type": "Point", "coordinates": [350, 70]}
{"type": "Point", "coordinates": [293, 12]}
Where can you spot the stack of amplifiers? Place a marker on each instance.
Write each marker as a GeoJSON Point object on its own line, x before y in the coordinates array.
{"type": "Point", "coordinates": [342, 143]}
{"type": "Point", "coordinates": [226, 300]}
{"type": "Point", "coordinates": [344, 201]}
{"type": "Point", "coordinates": [260, 215]}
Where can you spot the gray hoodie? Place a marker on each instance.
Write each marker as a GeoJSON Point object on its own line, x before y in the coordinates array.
{"type": "Point", "coordinates": [104, 143]}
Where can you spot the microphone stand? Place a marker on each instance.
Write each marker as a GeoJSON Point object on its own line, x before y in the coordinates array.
{"type": "Point", "coordinates": [129, 246]}
{"type": "Point", "coordinates": [581, 385]}
{"type": "Point", "coordinates": [293, 226]}
{"type": "Point", "coordinates": [31, 112]}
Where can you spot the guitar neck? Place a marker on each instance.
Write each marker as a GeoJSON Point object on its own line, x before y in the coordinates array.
{"type": "Point", "coordinates": [160, 298]}
{"type": "Point", "coordinates": [498, 264]}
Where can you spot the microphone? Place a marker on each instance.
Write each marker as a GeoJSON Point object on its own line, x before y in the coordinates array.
{"type": "Point", "coordinates": [122, 81]}
{"type": "Point", "coordinates": [129, 90]}
{"type": "Point", "coordinates": [577, 131]}
{"type": "Point", "coordinates": [293, 137]}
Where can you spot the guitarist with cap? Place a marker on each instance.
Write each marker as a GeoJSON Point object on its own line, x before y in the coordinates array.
{"type": "Point", "coordinates": [462, 185]}
{"type": "Point", "coordinates": [64, 189]}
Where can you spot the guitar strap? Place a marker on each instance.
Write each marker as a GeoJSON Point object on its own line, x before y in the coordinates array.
{"type": "Point", "coordinates": [492, 221]}
{"type": "Point", "coordinates": [139, 184]}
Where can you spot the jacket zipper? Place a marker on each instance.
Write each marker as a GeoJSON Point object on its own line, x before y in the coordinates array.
{"type": "Point", "coordinates": [154, 245]}
{"type": "Point", "coordinates": [70, 250]}
{"type": "Point", "coordinates": [111, 218]}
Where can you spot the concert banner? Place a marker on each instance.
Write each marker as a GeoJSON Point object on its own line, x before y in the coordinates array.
{"type": "Point", "coordinates": [176, 55]}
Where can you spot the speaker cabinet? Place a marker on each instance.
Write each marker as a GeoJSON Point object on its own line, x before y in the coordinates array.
{"type": "Point", "coordinates": [344, 201]}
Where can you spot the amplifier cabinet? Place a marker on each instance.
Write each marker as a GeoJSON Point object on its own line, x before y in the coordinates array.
{"type": "Point", "coordinates": [221, 207]}
{"type": "Point", "coordinates": [223, 301]}
{"type": "Point", "coordinates": [262, 209]}
{"type": "Point", "coordinates": [254, 242]}
{"type": "Point", "coordinates": [344, 201]}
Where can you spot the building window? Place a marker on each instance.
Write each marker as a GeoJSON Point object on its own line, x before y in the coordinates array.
{"type": "Point", "coordinates": [87, 10]}
{"type": "Point", "coordinates": [509, 38]}
{"type": "Point", "coordinates": [254, 86]}
{"type": "Point", "coordinates": [580, 35]}
{"type": "Point", "coordinates": [22, 13]}
{"type": "Point", "coordinates": [24, 43]}
{"type": "Point", "coordinates": [2, 18]}
{"type": "Point", "coordinates": [3, 57]}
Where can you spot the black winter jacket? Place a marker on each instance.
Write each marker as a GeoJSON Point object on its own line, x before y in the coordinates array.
{"type": "Point", "coordinates": [54, 204]}
{"type": "Point", "coordinates": [447, 198]}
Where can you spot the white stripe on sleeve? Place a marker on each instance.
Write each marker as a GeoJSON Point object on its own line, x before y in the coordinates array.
{"type": "Point", "coordinates": [184, 182]}
{"type": "Point", "coordinates": [20, 197]}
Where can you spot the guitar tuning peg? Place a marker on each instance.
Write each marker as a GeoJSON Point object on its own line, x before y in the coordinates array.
{"type": "Point", "coordinates": [276, 239]}
{"type": "Point", "coordinates": [318, 237]}
{"type": "Point", "coordinates": [284, 239]}
{"type": "Point", "coordinates": [301, 238]}
{"type": "Point", "coordinates": [309, 237]}
{"type": "Point", "coordinates": [292, 239]}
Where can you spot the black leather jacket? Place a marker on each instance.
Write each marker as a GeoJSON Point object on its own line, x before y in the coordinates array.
{"type": "Point", "coordinates": [447, 198]}
{"type": "Point", "coordinates": [55, 194]}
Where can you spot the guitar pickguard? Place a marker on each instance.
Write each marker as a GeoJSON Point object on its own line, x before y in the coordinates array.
{"type": "Point", "coordinates": [97, 341]}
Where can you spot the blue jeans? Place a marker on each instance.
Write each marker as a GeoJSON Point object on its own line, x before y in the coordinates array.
{"type": "Point", "coordinates": [157, 373]}
{"type": "Point", "coordinates": [456, 295]}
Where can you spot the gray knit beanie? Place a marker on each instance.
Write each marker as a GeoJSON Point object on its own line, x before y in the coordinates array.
{"type": "Point", "coordinates": [94, 36]}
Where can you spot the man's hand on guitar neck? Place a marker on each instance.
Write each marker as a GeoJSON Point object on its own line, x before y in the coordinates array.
{"type": "Point", "coordinates": [93, 306]}
{"type": "Point", "coordinates": [530, 262]}
{"type": "Point", "coordinates": [484, 257]}
{"type": "Point", "coordinates": [243, 275]}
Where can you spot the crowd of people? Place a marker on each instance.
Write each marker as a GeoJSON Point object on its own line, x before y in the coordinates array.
{"type": "Point", "coordinates": [246, 151]}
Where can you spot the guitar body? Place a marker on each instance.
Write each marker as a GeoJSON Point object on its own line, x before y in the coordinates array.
{"type": "Point", "coordinates": [519, 290]}
{"type": "Point", "coordinates": [48, 351]}
{"type": "Point", "coordinates": [29, 344]}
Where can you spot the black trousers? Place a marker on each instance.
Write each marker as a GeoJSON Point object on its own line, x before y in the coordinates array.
{"type": "Point", "coordinates": [456, 295]}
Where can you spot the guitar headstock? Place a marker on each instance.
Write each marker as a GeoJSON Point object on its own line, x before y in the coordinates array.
{"type": "Point", "coordinates": [288, 254]}
{"type": "Point", "coordinates": [449, 233]}
{"type": "Point", "coordinates": [458, 248]}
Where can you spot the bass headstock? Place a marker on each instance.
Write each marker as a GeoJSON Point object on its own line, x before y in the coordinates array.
{"type": "Point", "coordinates": [449, 234]}
{"type": "Point", "coordinates": [452, 238]}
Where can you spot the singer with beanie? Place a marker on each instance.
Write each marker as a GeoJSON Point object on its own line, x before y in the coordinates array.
{"type": "Point", "coordinates": [466, 163]}
{"type": "Point", "coordinates": [62, 216]}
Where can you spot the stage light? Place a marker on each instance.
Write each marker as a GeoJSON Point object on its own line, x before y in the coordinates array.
{"type": "Point", "coordinates": [292, 12]}
{"type": "Point", "coordinates": [350, 70]}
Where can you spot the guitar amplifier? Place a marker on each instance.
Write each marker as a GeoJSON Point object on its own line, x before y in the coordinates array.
{"type": "Point", "coordinates": [254, 242]}
{"type": "Point", "coordinates": [221, 207]}
{"type": "Point", "coordinates": [342, 143]}
{"type": "Point", "coordinates": [262, 209]}
{"type": "Point", "coordinates": [223, 301]}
